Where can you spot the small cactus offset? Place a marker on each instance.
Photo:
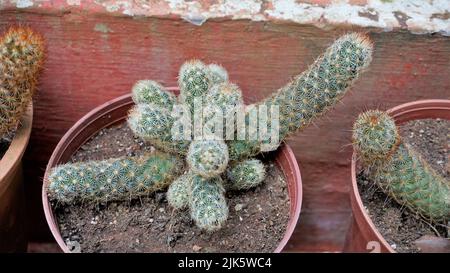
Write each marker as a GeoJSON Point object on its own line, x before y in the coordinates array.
{"type": "Point", "coordinates": [21, 59]}
{"type": "Point", "coordinates": [397, 169]}
{"type": "Point", "coordinates": [245, 175]}
{"type": "Point", "coordinates": [314, 91]}
{"type": "Point", "coordinates": [114, 179]}
{"type": "Point", "coordinates": [179, 191]}
{"type": "Point", "coordinates": [207, 202]}
{"type": "Point", "coordinates": [207, 158]}
{"type": "Point", "coordinates": [151, 92]}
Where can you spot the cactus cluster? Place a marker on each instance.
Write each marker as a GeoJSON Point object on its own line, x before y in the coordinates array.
{"type": "Point", "coordinates": [21, 58]}
{"type": "Point", "coordinates": [217, 162]}
{"type": "Point", "coordinates": [397, 169]}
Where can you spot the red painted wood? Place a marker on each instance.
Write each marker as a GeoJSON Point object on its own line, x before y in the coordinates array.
{"type": "Point", "coordinates": [93, 58]}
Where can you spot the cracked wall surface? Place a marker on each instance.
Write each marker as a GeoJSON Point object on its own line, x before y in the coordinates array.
{"type": "Point", "coordinates": [416, 16]}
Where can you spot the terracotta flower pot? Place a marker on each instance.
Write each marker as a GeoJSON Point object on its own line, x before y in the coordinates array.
{"type": "Point", "coordinates": [116, 111]}
{"type": "Point", "coordinates": [12, 206]}
{"type": "Point", "coordinates": [363, 236]}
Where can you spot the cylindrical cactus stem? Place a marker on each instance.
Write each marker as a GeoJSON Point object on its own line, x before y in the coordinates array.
{"type": "Point", "coordinates": [217, 74]}
{"type": "Point", "coordinates": [194, 82]}
{"type": "Point", "coordinates": [207, 202]}
{"type": "Point", "coordinates": [245, 175]}
{"type": "Point", "coordinates": [151, 92]}
{"type": "Point", "coordinates": [397, 169]}
{"type": "Point", "coordinates": [207, 158]}
{"type": "Point", "coordinates": [179, 191]}
{"type": "Point", "coordinates": [114, 179]}
{"type": "Point", "coordinates": [21, 57]}
{"type": "Point", "coordinates": [222, 103]}
{"type": "Point", "coordinates": [314, 91]}
{"type": "Point", "coordinates": [154, 125]}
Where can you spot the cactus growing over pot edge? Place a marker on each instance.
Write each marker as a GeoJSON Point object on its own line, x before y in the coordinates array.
{"type": "Point", "coordinates": [114, 179]}
{"type": "Point", "coordinates": [397, 169]}
{"type": "Point", "coordinates": [21, 58]}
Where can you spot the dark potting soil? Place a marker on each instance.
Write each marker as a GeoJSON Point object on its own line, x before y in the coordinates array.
{"type": "Point", "coordinates": [3, 148]}
{"type": "Point", "coordinates": [4, 144]}
{"type": "Point", "coordinates": [257, 220]}
{"type": "Point", "coordinates": [400, 227]}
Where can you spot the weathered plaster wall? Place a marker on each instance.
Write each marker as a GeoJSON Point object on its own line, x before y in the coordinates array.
{"type": "Point", "coordinates": [417, 16]}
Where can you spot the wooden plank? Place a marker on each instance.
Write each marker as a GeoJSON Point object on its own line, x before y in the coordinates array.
{"type": "Point", "coordinates": [94, 58]}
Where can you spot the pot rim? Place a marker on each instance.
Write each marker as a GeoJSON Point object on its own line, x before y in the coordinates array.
{"type": "Point", "coordinates": [13, 156]}
{"type": "Point", "coordinates": [283, 152]}
{"type": "Point", "coordinates": [420, 109]}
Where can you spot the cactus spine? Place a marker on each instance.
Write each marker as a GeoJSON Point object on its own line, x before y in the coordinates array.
{"type": "Point", "coordinates": [245, 175]}
{"type": "Point", "coordinates": [314, 91]}
{"type": "Point", "coordinates": [21, 58]}
{"type": "Point", "coordinates": [397, 169]}
{"type": "Point", "coordinates": [114, 179]}
{"type": "Point", "coordinates": [207, 202]}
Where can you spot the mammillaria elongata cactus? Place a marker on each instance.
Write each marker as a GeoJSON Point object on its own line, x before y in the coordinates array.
{"type": "Point", "coordinates": [397, 169]}
{"type": "Point", "coordinates": [314, 91]}
{"type": "Point", "coordinates": [21, 58]}
{"type": "Point", "coordinates": [114, 179]}
{"type": "Point", "coordinates": [202, 189]}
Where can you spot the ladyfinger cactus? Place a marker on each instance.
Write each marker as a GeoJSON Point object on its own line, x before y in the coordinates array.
{"type": "Point", "coordinates": [207, 202]}
{"type": "Point", "coordinates": [151, 92]}
{"type": "Point", "coordinates": [398, 170]}
{"type": "Point", "coordinates": [207, 158]}
{"type": "Point", "coordinates": [245, 175]}
{"type": "Point", "coordinates": [154, 124]}
{"type": "Point", "coordinates": [314, 91]}
{"type": "Point", "coordinates": [115, 179]}
{"type": "Point", "coordinates": [194, 81]}
{"type": "Point", "coordinates": [21, 58]}
{"type": "Point", "coordinates": [179, 191]}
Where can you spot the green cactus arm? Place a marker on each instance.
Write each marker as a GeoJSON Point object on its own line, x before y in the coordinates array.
{"type": "Point", "coordinates": [154, 125]}
{"type": "Point", "coordinates": [207, 158]}
{"type": "Point", "coordinates": [179, 191]}
{"type": "Point", "coordinates": [397, 169]}
{"type": "Point", "coordinates": [115, 179]}
{"type": "Point", "coordinates": [21, 59]}
{"type": "Point", "coordinates": [194, 82]}
{"type": "Point", "coordinates": [151, 92]}
{"type": "Point", "coordinates": [245, 175]}
{"type": "Point", "coordinates": [314, 91]}
{"type": "Point", "coordinates": [207, 203]}
{"type": "Point", "coordinates": [217, 74]}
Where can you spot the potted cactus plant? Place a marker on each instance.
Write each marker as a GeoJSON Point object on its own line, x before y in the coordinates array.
{"type": "Point", "coordinates": [21, 57]}
{"type": "Point", "coordinates": [202, 173]}
{"type": "Point", "coordinates": [400, 179]}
